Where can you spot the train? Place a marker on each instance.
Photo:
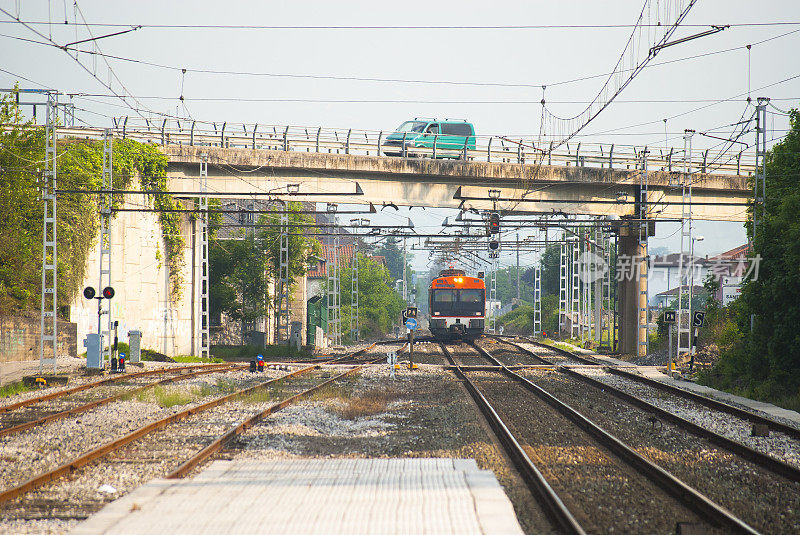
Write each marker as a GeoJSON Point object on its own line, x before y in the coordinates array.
{"type": "Point", "coordinates": [456, 306]}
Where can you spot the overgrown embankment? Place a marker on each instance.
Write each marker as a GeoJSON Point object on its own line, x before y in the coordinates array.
{"type": "Point", "coordinates": [79, 167]}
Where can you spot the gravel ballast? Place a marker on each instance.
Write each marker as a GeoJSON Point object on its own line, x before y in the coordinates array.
{"type": "Point", "coordinates": [765, 501]}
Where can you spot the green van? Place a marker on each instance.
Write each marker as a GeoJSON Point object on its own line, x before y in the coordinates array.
{"type": "Point", "coordinates": [441, 139]}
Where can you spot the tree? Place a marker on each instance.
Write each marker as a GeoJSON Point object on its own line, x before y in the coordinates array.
{"type": "Point", "coordinates": [237, 279]}
{"type": "Point", "coordinates": [242, 268]}
{"type": "Point", "coordinates": [551, 265]}
{"type": "Point", "coordinates": [379, 306]}
{"type": "Point", "coordinates": [394, 258]}
{"type": "Point", "coordinates": [765, 362]}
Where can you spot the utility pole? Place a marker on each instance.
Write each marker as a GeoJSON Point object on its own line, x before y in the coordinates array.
{"type": "Point", "coordinates": [642, 337]}
{"type": "Point", "coordinates": [563, 277]}
{"type": "Point", "coordinates": [205, 332]}
{"type": "Point", "coordinates": [760, 183]}
{"type": "Point", "coordinates": [405, 294]}
{"type": "Point", "coordinates": [575, 291]}
{"type": "Point", "coordinates": [354, 293]}
{"type": "Point", "coordinates": [49, 319]}
{"type": "Point", "coordinates": [332, 272]}
{"type": "Point", "coordinates": [282, 327]}
{"type": "Point", "coordinates": [684, 314]}
{"type": "Point", "coordinates": [518, 267]}
{"type": "Point", "coordinates": [104, 305]}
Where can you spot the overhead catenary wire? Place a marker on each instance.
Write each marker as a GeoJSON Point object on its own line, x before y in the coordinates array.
{"type": "Point", "coordinates": [228, 72]}
{"type": "Point", "coordinates": [415, 26]}
{"type": "Point", "coordinates": [84, 67]}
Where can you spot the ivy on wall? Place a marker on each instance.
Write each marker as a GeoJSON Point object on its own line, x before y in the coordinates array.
{"type": "Point", "coordinates": [79, 167]}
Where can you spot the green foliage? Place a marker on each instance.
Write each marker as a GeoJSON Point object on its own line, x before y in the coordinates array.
{"type": "Point", "coordinates": [379, 306]}
{"type": "Point", "coordinates": [393, 254]}
{"type": "Point", "coordinates": [550, 264]}
{"type": "Point", "coordinates": [249, 352]}
{"type": "Point", "coordinates": [241, 268]}
{"type": "Point", "coordinates": [520, 320]}
{"type": "Point", "coordinates": [79, 167]}
{"type": "Point", "coordinates": [301, 248]}
{"type": "Point", "coordinates": [765, 363]}
{"type": "Point", "coordinates": [131, 157]}
{"type": "Point", "coordinates": [238, 278]}
{"type": "Point", "coordinates": [13, 389]}
{"type": "Point", "coordinates": [194, 358]}
{"type": "Point", "coordinates": [168, 396]}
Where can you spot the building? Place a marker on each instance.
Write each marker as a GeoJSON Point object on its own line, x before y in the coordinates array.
{"type": "Point", "coordinates": [665, 298]}
{"type": "Point", "coordinates": [730, 267]}
{"type": "Point", "coordinates": [664, 274]}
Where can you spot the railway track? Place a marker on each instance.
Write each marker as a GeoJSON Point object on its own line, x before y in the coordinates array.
{"type": "Point", "coordinates": [219, 443]}
{"type": "Point", "coordinates": [26, 414]}
{"type": "Point", "coordinates": [704, 462]}
{"type": "Point", "coordinates": [757, 457]}
{"type": "Point", "coordinates": [51, 502]}
{"type": "Point", "coordinates": [55, 394]}
{"type": "Point", "coordinates": [561, 517]}
{"type": "Point", "coordinates": [625, 472]}
{"type": "Point", "coordinates": [552, 355]}
{"type": "Point", "coordinates": [16, 423]}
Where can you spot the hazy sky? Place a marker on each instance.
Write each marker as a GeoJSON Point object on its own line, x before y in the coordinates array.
{"type": "Point", "coordinates": [685, 91]}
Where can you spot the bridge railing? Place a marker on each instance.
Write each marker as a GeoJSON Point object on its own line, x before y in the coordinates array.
{"type": "Point", "coordinates": [499, 149]}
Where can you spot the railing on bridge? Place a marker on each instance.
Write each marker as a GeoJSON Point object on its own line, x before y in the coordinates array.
{"type": "Point", "coordinates": [500, 149]}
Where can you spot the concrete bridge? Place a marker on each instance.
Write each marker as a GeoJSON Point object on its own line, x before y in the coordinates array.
{"type": "Point", "coordinates": [446, 183]}
{"type": "Point", "coordinates": [596, 179]}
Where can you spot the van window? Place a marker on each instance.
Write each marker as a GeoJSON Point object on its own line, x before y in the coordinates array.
{"type": "Point", "coordinates": [433, 129]}
{"type": "Point", "coordinates": [457, 129]}
{"type": "Point", "coordinates": [411, 126]}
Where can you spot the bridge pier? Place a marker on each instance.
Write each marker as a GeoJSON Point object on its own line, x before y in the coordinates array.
{"type": "Point", "coordinates": [631, 290]}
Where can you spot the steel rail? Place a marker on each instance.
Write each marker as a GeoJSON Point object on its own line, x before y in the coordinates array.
{"type": "Point", "coordinates": [104, 401]}
{"type": "Point", "coordinates": [711, 403]}
{"type": "Point", "coordinates": [683, 493]}
{"type": "Point", "coordinates": [554, 507]}
{"type": "Point", "coordinates": [756, 457]}
{"type": "Point", "coordinates": [87, 386]}
{"type": "Point", "coordinates": [220, 442]}
{"type": "Point", "coordinates": [86, 458]}
{"type": "Point", "coordinates": [564, 352]}
{"type": "Point", "coordinates": [686, 394]}
{"type": "Point", "coordinates": [100, 451]}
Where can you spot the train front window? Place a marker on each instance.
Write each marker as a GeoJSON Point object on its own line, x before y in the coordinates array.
{"type": "Point", "coordinates": [470, 301]}
{"type": "Point", "coordinates": [443, 301]}
{"type": "Point", "coordinates": [444, 296]}
{"type": "Point", "coordinates": [471, 296]}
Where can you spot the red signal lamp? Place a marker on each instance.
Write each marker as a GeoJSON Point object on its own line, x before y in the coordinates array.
{"type": "Point", "coordinates": [108, 292]}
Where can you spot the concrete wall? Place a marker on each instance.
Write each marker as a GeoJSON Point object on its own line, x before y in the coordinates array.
{"type": "Point", "coordinates": [19, 338]}
{"type": "Point", "coordinates": [141, 280]}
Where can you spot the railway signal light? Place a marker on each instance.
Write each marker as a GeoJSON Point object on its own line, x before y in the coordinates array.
{"type": "Point", "coordinates": [107, 293]}
{"type": "Point", "coordinates": [494, 245]}
{"type": "Point", "coordinates": [494, 223]}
